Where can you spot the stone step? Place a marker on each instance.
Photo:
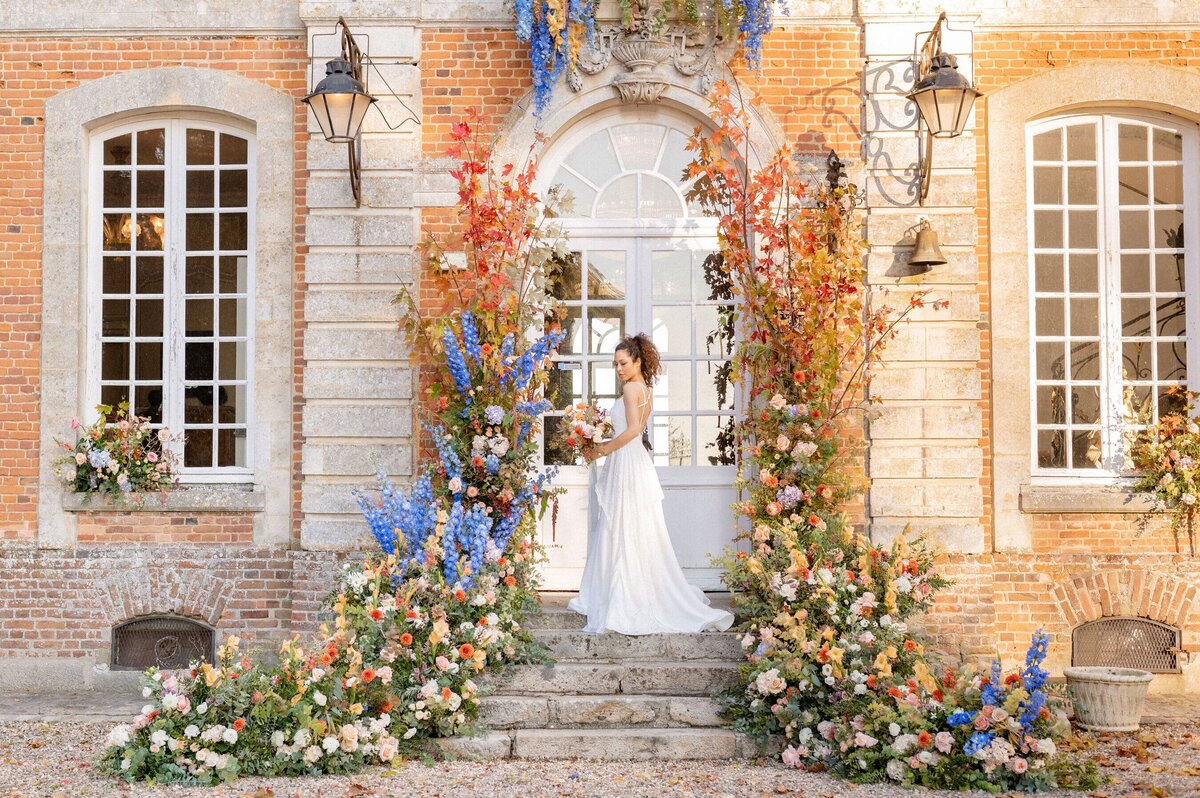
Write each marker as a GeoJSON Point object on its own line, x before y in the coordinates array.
{"type": "Point", "coordinates": [597, 711]}
{"type": "Point", "coordinates": [633, 677]}
{"type": "Point", "coordinates": [570, 645]}
{"type": "Point", "coordinates": [555, 614]}
{"type": "Point", "coordinates": [606, 744]}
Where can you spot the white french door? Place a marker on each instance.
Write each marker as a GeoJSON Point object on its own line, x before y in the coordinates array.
{"type": "Point", "coordinates": [656, 282]}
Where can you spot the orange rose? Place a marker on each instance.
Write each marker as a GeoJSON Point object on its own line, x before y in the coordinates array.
{"type": "Point", "coordinates": [376, 614]}
{"type": "Point", "coordinates": [460, 595]}
{"type": "Point", "coordinates": [406, 639]}
{"type": "Point", "coordinates": [510, 580]}
{"type": "Point", "coordinates": [446, 693]}
{"type": "Point", "coordinates": [924, 739]}
{"type": "Point", "coordinates": [239, 724]}
{"type": "Point", "coordinates": [367, 675]}
{"type": "Point", "coordinates": [466, 651]}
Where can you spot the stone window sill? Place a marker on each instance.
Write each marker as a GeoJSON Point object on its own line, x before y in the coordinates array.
{"type": "Point", "coordinates": [197, 498]}
{"type": "Point", "coordinates": [1085, 499]}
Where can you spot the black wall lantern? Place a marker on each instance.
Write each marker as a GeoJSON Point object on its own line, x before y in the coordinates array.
{"type": "Point", "coordinates": [340, 102]}
{"type": "Point", "coordinates": [943, 96]}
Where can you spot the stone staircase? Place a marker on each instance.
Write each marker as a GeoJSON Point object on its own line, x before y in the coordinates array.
{"type": "Point", "coordinates": [611, 697]}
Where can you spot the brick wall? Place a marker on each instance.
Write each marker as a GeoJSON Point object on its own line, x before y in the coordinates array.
{"type": "Point", "coordinates": [147, 527]}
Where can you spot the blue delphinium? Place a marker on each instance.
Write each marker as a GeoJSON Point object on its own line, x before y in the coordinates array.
{"type": "Point", "coordinates": [465, 535]}
{"type": "Point", "coordinates": [449, 458]}
{"type": "Point", "coordinates": [492, 464]}
{"type": "Point", "coordinates": [978, 742]}
{"type": "Point", "coordinates": [993, 692]}
{"type": "Point", "coordinates": [456, 364]}
{"type": "Point", "coordinates": [960, 718]}
{"type": "Point", "coordinates": [412, 514]}
{"type": "Point", "coordinates": [523, 432]}
{"type": "Point", "coordinates": [518, 507]}
{"type": "Point", "coordinates": [534, 409]}
{"type": "Point", "coordinates": [755, 24]}
{"type": "Point", "coordinates": [1033, 679]}
{"type": "Point", "coordinates": [524, 19]}
{"type": "Point", "coordinates": [471, 337]}
{"type": "Point", "coordinates": [494, 415]}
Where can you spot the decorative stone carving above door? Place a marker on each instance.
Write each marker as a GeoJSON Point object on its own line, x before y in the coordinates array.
{"type": "Point", "coordinates": [645, 45]}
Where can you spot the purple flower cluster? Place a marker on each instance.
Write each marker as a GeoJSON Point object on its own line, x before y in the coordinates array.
{"type": "Point", "coordinates": [788, 496]}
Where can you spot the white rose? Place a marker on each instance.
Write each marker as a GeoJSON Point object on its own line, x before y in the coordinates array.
{"type": "Point", "coordinates": [319, 698]}
{"type": "Point", "coordinates": [277, 738]}
{"type": "Point", "coordinates": [159, 737]}
{"type": "Point", "coordinates": [192, 731]}
{"type": "Point", "coordinates": [330, 744]}
{"type": "Point", "coordinates": [119, 736]}
{"type": "Point", "coordinates": [203, 708]}
{"type": "Point", "coordinates": [312, 754]}
{"type": "Point", "coordinates": [229, 736]}
{"type": "Point", "coordinates": [147, 692]}
{"type": "Point", "coordinates": [499, 446]}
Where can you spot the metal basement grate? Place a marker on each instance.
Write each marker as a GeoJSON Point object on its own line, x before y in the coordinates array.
{"type": "Point", "coordinates": [1126, 643]}
{"type": "Point", "coordinates": [161, 642]}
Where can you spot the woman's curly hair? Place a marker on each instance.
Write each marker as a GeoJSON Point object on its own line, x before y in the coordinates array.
{"type": "Point", "coordinates": [641, 348]}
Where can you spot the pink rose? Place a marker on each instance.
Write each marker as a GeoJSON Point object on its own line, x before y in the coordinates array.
{"type": "Point", "coordinates": [1018, 765]}
{"type": "Point", "coordinates": [152, 457]}
{"type": "Point", "coordinates": [774, 508]}
{"type": "Point", "coordinates": [791, 757]}
{"type": "Point", "coordinates": [944, 742]}
{"type": "Point", "coordinates": [981, 722]}
{"type": "Point", "coordinates": [442, 663]}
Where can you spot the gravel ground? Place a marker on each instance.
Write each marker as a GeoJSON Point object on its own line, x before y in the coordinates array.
{"type": "Point", "coordinates": [54, 760]}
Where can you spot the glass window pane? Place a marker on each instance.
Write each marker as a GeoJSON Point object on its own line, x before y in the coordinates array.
{"type": "Point", "coordinates": [565, 386]}
{"type": "Point", "coordinates": [197, 448]}
{"type": "Point", "coordinates": [714, 441]}
{"type": "Point", "coordinates": [199, 231]}
{"type": "Point", "coordinates": [113, 395]}
{"type": "Point", "coordinates": [1052, 449]}
{"type": "Point", "coordinates": [619, 200]}
{"type": "Point", "coordinates": [1135, 273]}
{"type": "Point", "coordinates": [595, 159]}
{"type": "Point", "coordinates": [1172, 360]}
{"type": "Point", "coordinates": [148, 401]}
{"type": "Point", "coordinates": [1170, 319]}
{"type": "Point", "coordinates": [149, 361]}
{"type": "Point", "coordinates": [232, 317]}
{"type": "Point", "coordinates": [565, 277]}
{"type": "Point", "coordinates": [1135, 360]}
{"type": "Point", "coordinates": [1048, 273]}
{"type": "Point", "coordinates": [150, 188]}
{"type": "Point", "coordinates": [199, 315]}
{"type": "Point", "coordinates": [671, 330]}
{"type": "Point", "coordinates": [117, 231]}
{"type": "Point", "coordinates": [1081, 185]}
{"type": "Point", "coordinates": [198, 362]}
{"type": "Point", "coordinates": [1085, 360]}
{"type": "Point", "coordinates": [1168, 273]}
{"type": "Point", "coordinates": [1051, 404]}
{"type": "Point", "coordinates": [233, 360]}
{"type": "Point", "coordinates": [198, 277]}
{"type": "Point", "coordinates": [1051, 360]}
{"type": "Point", "coordinates": [554, 452]}
{"type": "Point", "coordinates": [233, 189]}
{"type": "Point", "coordinates": [672, 439]}
{"type": "Point", "coordinates": [658, 200]}
{"type": "Point", "coordinates": [607, 329]}
{"type": "Point", "coordinates": [117, 189]}
{"type": "Point", "coordinates": [603, 382]}
{"type": "Point", "coordinates": [1131, 142]}
{"type": "Point", "coordinates": [713, 330]}
{"type": "Point", "coordinates": [1081, 142]}
{"type": "Point", "coordinates": [231, 447]}
{"type": "Point", "coordinates": [231, 407]}
{"type": "Point", "coordinates": [117, 150]}
{"type": "Point", "coordinates": [606, 274]}
{"type": "Point", "coordinates": [150, 230]}
{"type": "Point", "coordinates": [116, 275]}
{"type": "Point", "coordinates": [1086, 449]}
{"type": "Point", "coordinates": [673, 388]}
{"type": "Point", "coordinates": [115, 317]}
{"type": "Point", "coordinates": [675, 158]}
{"type": "Point", "coordinates": [1170, 401]}
{"type": "Point", "coordinates": [1049, 314]}
{"type": "Point", "coordinates": [1047, 185]}
{"type": "Point", "coordinates": [233, 274]}
{"type": "Point", "coordinates": [200, 189]}
{"type": "Point", "coordinates": [1168, 228]}
{"type": "Point", "coordinates": [670, 275]}
{"type": "Point", "coordinates": [714, 390]}
{"type": "Point", "coordinates": [234, 231]}
{"type": "Point", "coordinates": [149, 275]}
{"type": "Point", "coordinates": [638, 145]}
{"type": "Point", "coordinates": [1085, 318]}
{"type": "Point", "coordinates": [1048, 229]}
{"type": "Point", "coordinates": [1085, 404]}
{"type": "Point", "coordinates": [114, 361]}
{"type": "Point", "coordinates": [1135, 317]}
{"type": "Point", "coordinates": [1048, 146]}
{"type": "Point", "coordinates": [1137, 404]}
{"type": "Point", "coordinates": [200, 146]}
{"type": "Point", "coordinates": [1133, 187]}
{"type": "Point", "coordinates": [1082, 226]}
{"type": "Point", "coordinates": [571, 320]}
{"type": "Point", "coordinates": [233, 149]}
{"type": "Point", "coordinates": [1168, 145]}
{"type": "Point", "coordinates": [1135, 229]}
{"type": "Point", "coordinates": [151, 147]}
{"type": "Point", "coordinates": [583, 195]}
{"type": "Point", "coordinates": [1168, 185]}
{"type": "Point", "coordinates": [1085, 274]}
{"type": "Point", "coordinates": [150, 318]}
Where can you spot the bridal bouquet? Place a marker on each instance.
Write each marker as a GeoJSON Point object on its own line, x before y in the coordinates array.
{"type": "Point", "coordinates": [583, 425]}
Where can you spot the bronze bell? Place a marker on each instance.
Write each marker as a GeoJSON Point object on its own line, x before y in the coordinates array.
{"type": "Point", "coordinates": [927, 253]}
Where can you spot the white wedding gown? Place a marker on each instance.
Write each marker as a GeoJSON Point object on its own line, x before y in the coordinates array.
{"type": "Point", "coordinates": [632, 582]}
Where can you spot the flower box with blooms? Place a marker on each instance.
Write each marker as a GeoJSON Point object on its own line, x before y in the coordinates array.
{"type": "Point", "coordinates": [1167, 457]}
{"type": "Point", "coordinates": [118, 455]}
{"type": "Point", "coordinates": [582, 425]}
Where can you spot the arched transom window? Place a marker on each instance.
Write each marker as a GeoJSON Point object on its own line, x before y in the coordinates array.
{"type": "Point", "coordinates": [1113, 204]}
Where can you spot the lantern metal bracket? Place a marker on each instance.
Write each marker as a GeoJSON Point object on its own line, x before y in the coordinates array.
{"type": "Point", "coordinates": [923, 57]}
{"type": "Point", "coordinates": [358, 60]}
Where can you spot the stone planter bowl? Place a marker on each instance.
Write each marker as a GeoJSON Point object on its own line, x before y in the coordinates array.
{"type": "Point", "coordinates": [1108, 699]}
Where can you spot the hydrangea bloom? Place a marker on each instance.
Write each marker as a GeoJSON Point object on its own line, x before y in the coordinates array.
{"type": "Point", "coordinates": [494, 414]}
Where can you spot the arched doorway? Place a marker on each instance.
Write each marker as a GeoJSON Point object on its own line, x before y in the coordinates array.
{"type": "Point", "coordinates": [638, 260]}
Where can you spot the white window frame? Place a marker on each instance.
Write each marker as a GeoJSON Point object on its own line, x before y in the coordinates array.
{"type": "Point", "coordinates": [1108, 241]}
{"type": "Point", "coordinates": [174, 260]}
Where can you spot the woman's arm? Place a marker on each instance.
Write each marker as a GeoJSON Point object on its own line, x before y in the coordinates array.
{"type": "Point", "coordinates": [632, 395]}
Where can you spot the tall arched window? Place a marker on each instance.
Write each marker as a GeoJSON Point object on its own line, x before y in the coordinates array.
{"type": "Point", "coordinates": [171, 255]}
{"type": "Point", "coordinates": [1113, 219]}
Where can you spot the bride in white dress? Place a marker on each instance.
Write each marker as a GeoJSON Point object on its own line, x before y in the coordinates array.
{"type": "Point", "coordinates": [632, 582]}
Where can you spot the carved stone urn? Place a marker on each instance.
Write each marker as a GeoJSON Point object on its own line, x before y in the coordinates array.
{"type": "Point", "coordinates": [640, 55]}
